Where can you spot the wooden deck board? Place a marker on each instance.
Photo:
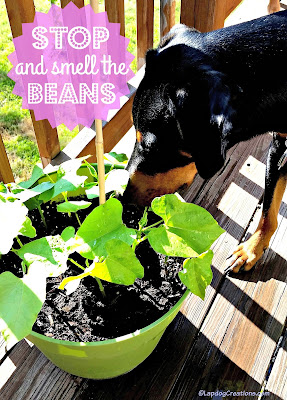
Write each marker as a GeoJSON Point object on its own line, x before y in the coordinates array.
{"type": "Point", "coordinates": [240, 332]}
{"type": "Point", "coordinates": [27, 374]}
{"type": "Point", "coordinates": [277, 382]}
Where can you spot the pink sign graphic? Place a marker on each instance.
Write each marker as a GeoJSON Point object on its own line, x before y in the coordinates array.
{"type": "Point", "coordinates": [71, 66]}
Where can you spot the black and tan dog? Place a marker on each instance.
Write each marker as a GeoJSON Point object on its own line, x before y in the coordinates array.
{"type": "Point", "coordinates": [201, 94]}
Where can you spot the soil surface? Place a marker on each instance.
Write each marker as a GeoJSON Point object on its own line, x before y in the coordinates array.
{"type": "Point", "coordinates": [85, 315]}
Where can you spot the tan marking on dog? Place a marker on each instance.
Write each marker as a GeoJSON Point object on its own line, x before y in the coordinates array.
{"type": "Point", "coordinates": [139, 137]}
{"type": "Point", "coordinates": [283, 135]}
{"type": "Point", "coordinates": [142, 188]}
{"type": "Point", "coordinates": [273, 6]}
{"type": "Point", "coordinates": [185, 154]}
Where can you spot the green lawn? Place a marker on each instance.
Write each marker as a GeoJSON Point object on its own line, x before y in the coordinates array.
{"type": "Point", "coordinates": [15, 124]}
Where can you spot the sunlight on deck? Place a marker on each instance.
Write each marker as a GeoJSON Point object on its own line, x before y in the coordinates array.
{"type": "Point", "coordinates": [9, 367]}
{"type": "Point", "coordinates": [254, 170]}
{"type": "Point", "coordinates": [237, 210]}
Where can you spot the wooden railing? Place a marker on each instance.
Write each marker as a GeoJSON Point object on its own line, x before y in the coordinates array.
{"type": "Point", "coordinates": [204, 15]}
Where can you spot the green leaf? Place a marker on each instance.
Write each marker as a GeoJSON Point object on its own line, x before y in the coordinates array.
{"type": "Point", "coordinates": [36, 174]}
{"type": "Point", "coordinates": [197, 274]}
{"type": "Point", "coordinates": [68, 179]}
{"type": "Point", "coordinates": [12, 217]}
{"type": "Point", "coordinates": [40, 248]}
{"type": "Point", "coordinates": [188, 229]}
{"type": "Point", "coordinates": [24, 195]}
{"type": "Point", "coordinates": [11, 199]}
{"type": "Point", "coordinates": [101, 225]}
{"type": "Point", "coordinates": [116, 158]}
{"type": "Point", "coordinates": [121, 265]}
{"type": "Point", "coordinates": [91, 169]}
{"type": "Point", "coordinates": [28, 229]}
{"type": "Point", "coordinates": [164, 241]}
{"type": "Point", "coordinates": [3, 188]}
{"type": "Point", "coordinates": [116, 180]}
{"type": "Point", "coordinates": [73, 206]}
{"type": "Point", "coordinates": [43, 187]}
{"type": "Point", "coordinates": [20, 302]}
{"type": "Point", "coordinates": [51, 251]}
{"type": "Point", "coordinates": [68, 233]}
{"type": "Point", "coordinates": [33, 203]}
{"type": "Point", "coordinates": [27, 195]}
{"type": "Point", "coordinates": [60, 186]}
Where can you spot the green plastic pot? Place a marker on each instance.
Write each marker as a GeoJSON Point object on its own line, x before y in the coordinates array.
{"type": "Point", "coordinates": [109, 358]}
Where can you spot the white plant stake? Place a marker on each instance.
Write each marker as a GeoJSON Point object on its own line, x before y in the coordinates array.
{"type": "Point", "coordinates": [99, 138]}
{"type": "Point", "coordinates": [100, 159]}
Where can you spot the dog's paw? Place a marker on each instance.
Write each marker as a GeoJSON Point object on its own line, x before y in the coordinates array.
{"type": "Point", "coordinates": [246, 255]}
{"type": "Point", "coordinates": [273, 8]}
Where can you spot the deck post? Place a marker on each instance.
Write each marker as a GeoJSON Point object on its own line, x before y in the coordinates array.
{"type": "Point", "coordinates": [6, 174]}
{"type": "Point", "coordinates": [167, 16]}
{"type": "Point", "coordinates": [116, 12]}
{"type": "Point", "coordinates": [19, 12]}
{"type": "Point", "coordinates": [145, 17]}
{"type": "Point", "coordinates": [204, 15]}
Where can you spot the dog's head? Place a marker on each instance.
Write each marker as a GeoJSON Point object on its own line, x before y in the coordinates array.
{"type": "Point", "coordinates": [182, 112]}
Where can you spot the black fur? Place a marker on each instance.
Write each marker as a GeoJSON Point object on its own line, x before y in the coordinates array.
{"type": "Point", "coordinates": [204, 92]}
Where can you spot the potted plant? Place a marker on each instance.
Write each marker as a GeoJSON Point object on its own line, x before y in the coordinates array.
{"type": "Point", "coordinates": [103, 249]}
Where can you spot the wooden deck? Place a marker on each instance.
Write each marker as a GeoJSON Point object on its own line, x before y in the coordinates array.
{"type": "Point", "coordinates": [234, 340]}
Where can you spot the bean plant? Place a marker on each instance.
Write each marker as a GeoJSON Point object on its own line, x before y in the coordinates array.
{"type": "Point", "coordinates": [106, 246]}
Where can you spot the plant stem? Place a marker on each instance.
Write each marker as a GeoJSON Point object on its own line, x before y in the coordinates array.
{"type": "Point", "coordinates": [50, 179]}
{"type": "Point", "coordinates": [151, 226]}
{"type": "Point", "coordinates": [101, 286]}
{"type": "Point", "coordinates": [65, 195]}
{"type": "Point", "coordinates": [102, 290]}
{"type": "Point", "coordinates": [143, 220]}
{"type": "Point", "coordinates": [78, 219]}
{"type": "Point", "coordinates": [137, 242]}
{"type": "Point", "coordinates": [24, 268]}
{"type": "Point", "coordinates": [42, 216]}
{"type": "Point", "coordinates": [75, 263]}
{"type": "Point", "coordinates": [142, 239]}
{"type": "Point", "coordinates": [19, 241]}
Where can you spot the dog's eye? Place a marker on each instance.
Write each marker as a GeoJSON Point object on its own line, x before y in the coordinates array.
{"type": "Point", "coordinates": [185, 154]}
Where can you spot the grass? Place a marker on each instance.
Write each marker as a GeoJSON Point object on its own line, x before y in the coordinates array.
{"type": "Point", "coordinates": [15, 123]}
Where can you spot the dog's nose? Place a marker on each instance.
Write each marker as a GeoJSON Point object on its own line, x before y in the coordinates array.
{"type": "Point", "coordinates": [131, 196]}
{"type": "Point", "coordinates": [143, 188]}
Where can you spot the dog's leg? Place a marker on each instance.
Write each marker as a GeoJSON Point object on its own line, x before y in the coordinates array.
{"type": "Point", "coordinates": [273, 6]}
{"type": "Point", "coordinates": [248, 253]}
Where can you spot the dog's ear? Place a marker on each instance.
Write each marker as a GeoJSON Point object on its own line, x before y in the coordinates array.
{"type": "Point", "coordinates": [215, 108]}
{"type": "Point", "coordinates": [185, 67]}
{"type": "Point", "coordinates": [222, 97]}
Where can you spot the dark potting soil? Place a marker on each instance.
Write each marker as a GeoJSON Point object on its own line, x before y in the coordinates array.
{"type": "Point", "coordinates": [85, 315]}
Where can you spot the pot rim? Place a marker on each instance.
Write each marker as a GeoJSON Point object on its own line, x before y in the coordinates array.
{"type": "Point", "coordinates": [115, 340]}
